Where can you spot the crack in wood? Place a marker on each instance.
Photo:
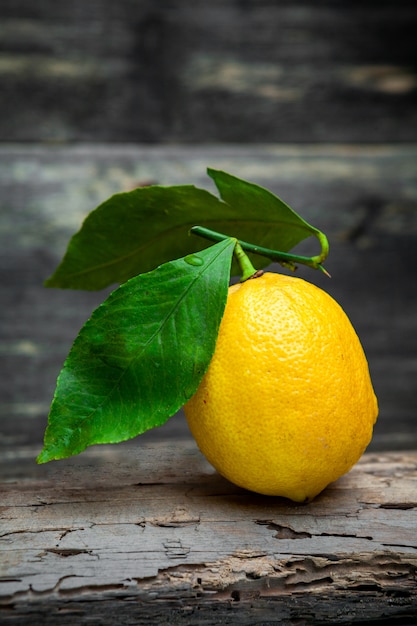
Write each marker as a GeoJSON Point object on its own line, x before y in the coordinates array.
{"type": "Point", "coordinates": [37, 531]}
{"type": "Point", "coordinates": [66, 552]}
{"type": "Point", "coordinates": [399, 545]}
{"type": "Point", "coordinates": [283, 532]}
{"type": "Point", "coordinates": [287, 532]}
{"type": "Point", "coordinates": [69, 531]}
{"type": "Point", "coordinates": [344, 535]}
{"type": "Point", "coordinates": [172, 523]}
{"type": "Point", "coordinates": [402, 506]}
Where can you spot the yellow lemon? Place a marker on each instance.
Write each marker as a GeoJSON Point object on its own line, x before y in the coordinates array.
{"type": "Point", "coordinates": [287, 404]}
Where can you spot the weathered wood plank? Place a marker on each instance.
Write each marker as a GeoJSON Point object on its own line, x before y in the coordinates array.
{"type": "Point", "coordinates": [151, 534]}
{"type": "Point", "coordinates": [219, 71]}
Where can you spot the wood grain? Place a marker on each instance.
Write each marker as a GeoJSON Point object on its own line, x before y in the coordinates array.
{"type": "Point", "coordinates": [136, 532]}
{"type": "Point", "coordinates": [236, 71]}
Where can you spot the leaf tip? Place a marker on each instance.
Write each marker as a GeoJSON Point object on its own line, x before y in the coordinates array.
{"type": "Point", "coordinates": [212, 172]}
{"type": "Point", "coordinates": [42, 458]}
{"type": "Point", "coordinates": [48, 454]}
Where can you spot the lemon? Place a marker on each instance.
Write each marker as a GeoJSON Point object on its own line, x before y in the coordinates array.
{"type": "Point", "coordinates": [287, 405]}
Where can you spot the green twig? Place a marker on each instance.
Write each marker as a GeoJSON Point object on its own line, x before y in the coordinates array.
{"type": "Point", "coordinates": [285, 258]}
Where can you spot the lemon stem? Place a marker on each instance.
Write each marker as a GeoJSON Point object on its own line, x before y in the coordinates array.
{"type": "Point", "coordinates": [246, 267]}
{"type": "Point", "coordinates": [285, 258]}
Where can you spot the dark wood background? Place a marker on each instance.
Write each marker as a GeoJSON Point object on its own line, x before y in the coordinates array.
{"type": "Point", "coordinates": [315, 100]}
{"type": "Point", "coordinates": [220, 71]}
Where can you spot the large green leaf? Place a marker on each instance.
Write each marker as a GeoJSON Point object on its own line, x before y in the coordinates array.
{"type": "Point", "coordinates": [141, 355]}
{"type": "Point", "coordinates": [134, 232]}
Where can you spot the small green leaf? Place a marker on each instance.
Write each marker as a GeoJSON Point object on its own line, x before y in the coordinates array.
{"type": "Point", "coordinates": [141, 355]}
{"type": "Point", "coordinates": [134, 232]}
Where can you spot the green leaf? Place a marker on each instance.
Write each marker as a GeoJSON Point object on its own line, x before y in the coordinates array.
{"type": "Point", "coordinates": [134, 232]}
{"type": "Point", "coordinates": [276, 225]}
{"type": "Point", "coordinates": [141, 355]}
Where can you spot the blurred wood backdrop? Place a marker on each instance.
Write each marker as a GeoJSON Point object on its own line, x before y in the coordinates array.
{"type": "Point", "coordinates": [219, 71]}
{"type": "Point", "coordinates": [316, 100]}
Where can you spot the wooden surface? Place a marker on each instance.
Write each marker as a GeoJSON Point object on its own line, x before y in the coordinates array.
{"type": "Point", "coordinates": [220, 71]}
{"type": "Point", "coordinates": [150, 534]}
{"type": "Point", "coordinates": [318, 101]}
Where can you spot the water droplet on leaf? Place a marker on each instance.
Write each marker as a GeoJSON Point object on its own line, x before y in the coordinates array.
{"type": "Point", "coordinates": [193, 259]}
